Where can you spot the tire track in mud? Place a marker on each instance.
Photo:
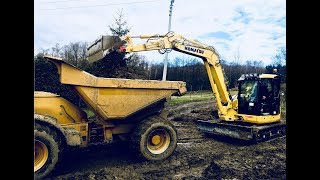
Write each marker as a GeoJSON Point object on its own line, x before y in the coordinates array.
{"type": "Point", "coordinates": [197, 156]}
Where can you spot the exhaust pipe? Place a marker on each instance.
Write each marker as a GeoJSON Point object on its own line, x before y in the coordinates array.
{"type": "Point", "coordinates": [103, 46]}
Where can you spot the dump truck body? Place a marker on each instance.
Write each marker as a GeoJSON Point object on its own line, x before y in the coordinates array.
{"type": "Point", "coordinates": [113, 98]}
{"type": "Point", "coordinates": [125, 109]}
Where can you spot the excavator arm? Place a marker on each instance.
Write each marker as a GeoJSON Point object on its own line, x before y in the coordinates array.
{"type": "Point", "coordinates": [170, 41]}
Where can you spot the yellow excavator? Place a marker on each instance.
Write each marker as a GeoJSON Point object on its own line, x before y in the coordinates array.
{"type": "Point", "coordinates": [252, 114]}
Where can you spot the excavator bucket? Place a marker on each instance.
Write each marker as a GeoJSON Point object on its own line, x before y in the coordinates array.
{"type": "Point", "coordinates": [103, 46]}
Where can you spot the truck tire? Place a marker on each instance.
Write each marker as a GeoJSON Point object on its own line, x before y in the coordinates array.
{"type": "Point", "coordinates": [47, 150]}
{"type": "Point", "coordinates": [154, 139]}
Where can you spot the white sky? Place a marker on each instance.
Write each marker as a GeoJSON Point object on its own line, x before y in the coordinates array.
{"type": "Point", "coordinates": [253, 28]}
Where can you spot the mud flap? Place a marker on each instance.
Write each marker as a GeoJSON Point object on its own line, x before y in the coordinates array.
{"type": "Point", "coordinates": [242, 131]}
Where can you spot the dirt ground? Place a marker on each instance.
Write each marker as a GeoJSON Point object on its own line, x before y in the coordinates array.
{"type": "Point", "coordinates": [197, 155]}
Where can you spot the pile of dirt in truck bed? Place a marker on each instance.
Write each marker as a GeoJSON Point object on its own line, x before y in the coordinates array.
{"type": "Point", "coordinates": [197, 156]}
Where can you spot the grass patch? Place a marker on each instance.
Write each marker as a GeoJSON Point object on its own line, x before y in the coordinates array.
{"type": "Point", "coordinates": [89, 112]}
{"type": "Point", "coordinates": [190, 97]}
{"type": "Point", "coordinates": [193, 96]}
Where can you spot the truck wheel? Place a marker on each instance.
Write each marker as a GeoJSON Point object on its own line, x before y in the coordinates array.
{"type": "Point", "coordinates": [47, 150]}
{"type": "Point", "coordinates": [154, 138]}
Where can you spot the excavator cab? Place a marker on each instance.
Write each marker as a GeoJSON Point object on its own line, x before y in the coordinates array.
{"type": "Point", "coordinates": [259, 94]}
{"type": "Point", "coordinates": [258, 97]}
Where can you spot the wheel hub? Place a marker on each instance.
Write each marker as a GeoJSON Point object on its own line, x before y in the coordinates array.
{"type": "Point", "coordinates": [156, 140]}
{"type": "Point", "coordinates": [41, 154]}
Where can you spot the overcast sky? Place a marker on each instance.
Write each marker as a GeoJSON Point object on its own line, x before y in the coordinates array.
{"type": "Point", "coordinates": [254, 29]}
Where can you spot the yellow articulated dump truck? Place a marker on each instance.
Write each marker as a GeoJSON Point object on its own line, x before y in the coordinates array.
{"type": "Point", "coordinates": [125, 109]}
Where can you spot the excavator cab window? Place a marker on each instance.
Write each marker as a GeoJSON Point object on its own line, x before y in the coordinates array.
{"type": "Point", "coordinates": [270, 96]}
{"type": "Point", "coordinates": [266, 96]}
{"type": "Point", "coordinates": [248, 96]}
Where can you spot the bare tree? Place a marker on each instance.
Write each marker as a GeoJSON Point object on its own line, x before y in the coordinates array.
{"type": "Point", "coordinates": [280, 57]}
{"type": "Point", "coordinates": [56, 50]}
{"type": "Point", "coordinates": [248, 64]}
{"type": "Point", "coordinates": [74, 53]}
{"type": "Point", "coordinates": [257, 65]}
{"type": "Point", "coordinates": [236, 56]}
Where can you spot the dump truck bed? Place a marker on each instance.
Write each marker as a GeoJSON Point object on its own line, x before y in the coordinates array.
{"type": "Point", "coordinates": [113, 98]}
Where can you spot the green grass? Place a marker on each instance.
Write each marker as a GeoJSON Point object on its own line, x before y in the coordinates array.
{"type": "Point", "coordinates": [193, 97]}
{"type": "Point", "coordinates": [89, 112]}
{"type": "Point", "coordinates": [190, 97]}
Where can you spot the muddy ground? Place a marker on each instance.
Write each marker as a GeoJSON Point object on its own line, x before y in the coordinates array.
{"type": "Point", "coordinates": [197, 156]}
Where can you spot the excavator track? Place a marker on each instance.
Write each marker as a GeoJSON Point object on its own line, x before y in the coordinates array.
{"type": "Point", "coordinates": [243, 131]}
